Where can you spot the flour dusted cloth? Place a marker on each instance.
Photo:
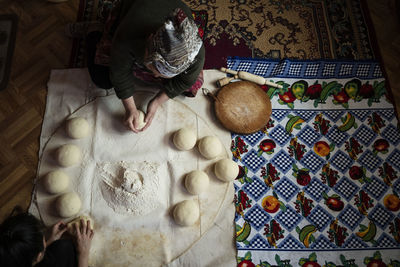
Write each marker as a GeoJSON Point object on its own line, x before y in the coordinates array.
{"type": "Point", "coordinates": [71, 89]}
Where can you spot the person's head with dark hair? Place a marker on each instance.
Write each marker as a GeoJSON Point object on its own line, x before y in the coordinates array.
{"type": "Point", "coordinates": [21, 240]}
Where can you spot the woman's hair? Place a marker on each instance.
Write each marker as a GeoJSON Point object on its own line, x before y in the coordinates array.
{"type": "Point", "coordinates": [21, 240]}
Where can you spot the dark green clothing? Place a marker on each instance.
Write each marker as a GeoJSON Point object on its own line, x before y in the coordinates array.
{"type": "Point", "coordinates": [60, 253]}
{"type": "Point", "coordinates": [139, 19]}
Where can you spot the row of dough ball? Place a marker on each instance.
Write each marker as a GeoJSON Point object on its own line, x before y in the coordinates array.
{"type": "Point", "coordinates": [68, 203]}
{"type": "Point", "coordinates": [68, 154]}
{"type": "Point", "coordinates": [197, 181]}
{"type": "Point", "coordinates": [186, 213]}
{"type": "Point", "coordinates": [55, 182]}
{"type": "Point", "coordinates": [209, 146]}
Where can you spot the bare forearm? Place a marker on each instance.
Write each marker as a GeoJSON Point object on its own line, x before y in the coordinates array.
{"type": "Point", "coordinates": [162, 97]}
{"type": "Point", "coordinates": [129, 104]}
{"type": "Point", "coordinates": [83, 260]}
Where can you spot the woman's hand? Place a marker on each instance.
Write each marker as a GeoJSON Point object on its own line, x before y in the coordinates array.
{"type": "Point", "coordinates": [131, 120]}
{"type": "Point", "coordinates": [83, 238]}
{"type": "Point", "coordinates": [131, 114]}
{"type": "Point", "coordinates": [56, 232]}
{"type": "Point", "coordinates": [152, 107]}
{"type": "Point", "coordinates": [151, 111]}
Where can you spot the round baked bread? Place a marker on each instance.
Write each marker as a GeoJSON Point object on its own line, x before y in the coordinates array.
{"type": "Point", "coordinates": [242, 107]}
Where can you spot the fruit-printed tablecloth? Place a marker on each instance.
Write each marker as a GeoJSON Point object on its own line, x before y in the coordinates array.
{"type": "Point", "coordinates": [319, 186]}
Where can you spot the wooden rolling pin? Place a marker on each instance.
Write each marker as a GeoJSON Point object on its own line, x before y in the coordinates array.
{"type": "Point", "coordinates": [226, 80]}
{"type": "Point", "coordinates": [251, 77]}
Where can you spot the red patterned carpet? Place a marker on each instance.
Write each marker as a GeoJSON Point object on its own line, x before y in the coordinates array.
{"type": "Point", "coordinates": [296, 29]}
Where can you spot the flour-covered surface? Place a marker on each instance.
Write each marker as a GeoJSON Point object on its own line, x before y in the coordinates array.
{"type": "Point", "coordinates": [117, 161]}
{"type": "Point", "coordinates": [130, 187]}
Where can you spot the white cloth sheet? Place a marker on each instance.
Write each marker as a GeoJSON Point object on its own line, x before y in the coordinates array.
{"type": "Point", "coordinates": [72, 91]}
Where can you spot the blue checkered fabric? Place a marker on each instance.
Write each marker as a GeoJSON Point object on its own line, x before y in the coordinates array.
{"type": "Point", "coordinates": [289, 188]}
{"type": "Point", "coordinates": [286, 189]}
{"type": "Point", "coordinates": [290, 243]}
{"type": "Point", "coordinates": [391, 133]}
{"type": "Point", "coordinates": [350, 217]}
{"type": "Point", "coordinates": [312, 161]}
{"type": "Point", "coordinates": [289, 219]}
{"type": "Point", "coordinates": [315, 188]}
{"type": "Point", "coordinates": [381, 216]}
{"type": "Point", "coordinates": [346, 188]}
{"type": "Point", "coordinates": [370, 161]}
{"type": "Point", "coordinates": [341, 161]}
{"type": "Point", "coordinates": [354, 242]}
{"type": "Point", "coordinates": [320, 218]}
{"type": "Point", "coordinates": [365, 135]}
{"type": "Point", "coordinates": [377, 188]}
{"type": "Point", "coordinates": [394, 159]}
{"type": "Point", "coordinates": [309, 69]}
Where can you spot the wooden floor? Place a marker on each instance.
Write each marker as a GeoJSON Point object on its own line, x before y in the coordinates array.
{"type": "Point", "coordinates": [42, 46]}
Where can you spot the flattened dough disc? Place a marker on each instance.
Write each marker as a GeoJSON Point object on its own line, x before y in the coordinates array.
{"type": "Point", "coordinates": [242, 107]}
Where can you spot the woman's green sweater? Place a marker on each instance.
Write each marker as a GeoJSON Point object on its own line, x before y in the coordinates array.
{"type": "Point", "coordinates": [138, 19]}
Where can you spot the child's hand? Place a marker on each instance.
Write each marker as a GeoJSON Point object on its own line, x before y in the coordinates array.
{"type": "Point", "coordinates": [57, 231]}
{"type": "Point", "coordinates": [83, 238]}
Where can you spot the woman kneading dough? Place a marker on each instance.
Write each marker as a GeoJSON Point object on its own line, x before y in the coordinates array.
{"type": "Point", "coordinates": [153, 41]}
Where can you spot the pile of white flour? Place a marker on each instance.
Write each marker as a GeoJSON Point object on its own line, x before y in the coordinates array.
{"type": "Point", "coordinates": [130, 187]}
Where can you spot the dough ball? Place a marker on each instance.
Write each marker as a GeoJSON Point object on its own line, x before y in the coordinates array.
{"type": "Point", "coordinates": [68, 204]}
{"type": "Point", "coordinates": [77, 220]}
{"type": "Point", "coordinates": [186, 213]}
{"type": "Point", "coordinates": [185, 139]}
{"type": "Point", "coordinates": [196, 182]}
{"type": "Point", "coordinates": [210, 147]}
{"type": "Point", "coordinates": [141, 120]}
{"type": "Point", "coordinates": [68, 155]}
{"type": "Point", "coordinates": [77, 128]}
{"type": "Point", "coordinates": [226, 170]}
{"type": "Point", "coordinates": [55, 181]}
